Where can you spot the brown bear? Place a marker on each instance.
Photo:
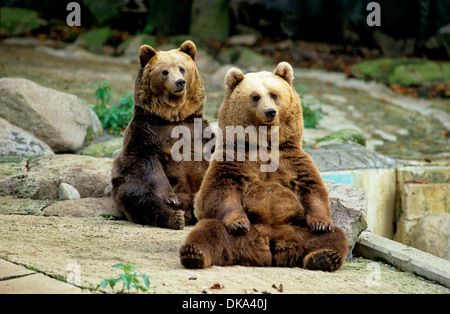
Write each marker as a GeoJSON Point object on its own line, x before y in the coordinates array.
{"type": "Point", "coordinates": [149, 186]}
{"type": "Point", "coordinates": [261, 218]}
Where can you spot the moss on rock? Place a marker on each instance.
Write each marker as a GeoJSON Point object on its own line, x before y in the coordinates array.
{"type": "Point", "coordinates": [343, 136]}
{"type": "Point", "coordinates": [405, 72]}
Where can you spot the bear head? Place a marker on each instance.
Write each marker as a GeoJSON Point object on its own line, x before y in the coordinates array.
{"type": "Point", "coordinates": [168, 83]}
{"type": "Point", "coordinates": [263, 99]}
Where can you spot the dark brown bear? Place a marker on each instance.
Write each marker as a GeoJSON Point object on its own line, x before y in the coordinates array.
{"type": "Point", "coordinates": [149, 186]}
{"type": "Point", "coordinates": [261, 218]}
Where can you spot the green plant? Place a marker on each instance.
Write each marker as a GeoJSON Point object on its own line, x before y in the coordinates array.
{"type": "Point", "coordinates": [114, 117]}
{"type": "Point", "coordinates": [312, 113]}
{"type": "Point", "coordinates": [129, 278]}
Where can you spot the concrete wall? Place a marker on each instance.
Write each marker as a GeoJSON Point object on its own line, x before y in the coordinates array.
{"type": "Point", "coordinates": [400, 197]}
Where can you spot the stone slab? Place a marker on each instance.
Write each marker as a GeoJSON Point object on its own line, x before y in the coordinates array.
{"type": "Point", "coordinates": [348, 156]}
{"type": "Point", "coordinates": [8, 270]}
{"type": "Point", "coordinates": [372, 246]}
{"type": "Point", "coordinates": [16, 279]}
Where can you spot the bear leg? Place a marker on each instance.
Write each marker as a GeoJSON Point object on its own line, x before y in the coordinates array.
{"type": "Point", "coordinates": [325, 251]}
{"type": "Point", "coordinates": [210, 243]}
{"type": "Point", "coordinates": [287, 246]}
{"type": "Point", "coordinates": [297, 246]}
{"type": "Point", "coordinates": [140, 205]}
{"type": "Point", "coordinates": [205, 245]}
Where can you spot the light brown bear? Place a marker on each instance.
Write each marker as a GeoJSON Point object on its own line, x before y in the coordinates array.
{"type": "Point", "coordinates": [149, 186]}
{"type": "Point", "coordinates": [250, 217]}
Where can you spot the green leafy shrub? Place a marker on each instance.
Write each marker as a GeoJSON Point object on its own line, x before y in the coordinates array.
{"type": "Point", "coordinates": [16, 21]}
{"type": "Point", "coordinates": [114, 117]}
{"type": "Point", "coordinates": [312, 113]}
{"type": "Point", "coordinates": [129, 278]}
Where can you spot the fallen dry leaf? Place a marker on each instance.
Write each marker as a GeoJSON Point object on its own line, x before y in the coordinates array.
{"type": "Point", "coordinates": [279, 289]}
{"type": "Point", "coordinates": [217, 286]}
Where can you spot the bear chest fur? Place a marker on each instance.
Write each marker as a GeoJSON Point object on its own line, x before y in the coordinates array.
{"type": "Point", "coordinates": [272, 197]}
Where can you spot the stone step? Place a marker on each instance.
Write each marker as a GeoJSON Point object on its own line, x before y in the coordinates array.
{"type": "Point", "coordinates": [16, 279]}
{"type": "Point", "coordinates": [406, 258]}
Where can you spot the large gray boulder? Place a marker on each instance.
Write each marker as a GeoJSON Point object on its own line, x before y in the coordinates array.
{"type": "Point", "coordinates": [348, 209]}
{"type": "Point", "coordinates": [15, 141]}
{"type": "Point", "coordinates": [61, 120]}
{"type": "Point", "coordinates": [88, 175]}
{"type": "Point", "coordinates": [84, 208]}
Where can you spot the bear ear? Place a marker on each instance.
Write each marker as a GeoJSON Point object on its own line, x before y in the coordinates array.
{"type": "Point", "coordinates": [145, 54]}
{"type": "Point", "coordinates": [233, 77]}
{"type": "Point", "coordinates": [285, 71]}
{"type": "Point", "coordinates": [189, 48]}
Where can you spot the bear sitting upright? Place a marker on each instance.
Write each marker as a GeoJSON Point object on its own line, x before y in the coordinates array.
{"type": "Point", "coordinates": [149, 186]}
{"type": "Point", "coordinates": [250, 217]}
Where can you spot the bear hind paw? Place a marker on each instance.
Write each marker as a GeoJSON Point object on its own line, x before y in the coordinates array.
{"type": "Point", "coordinates": [192, 257]}
{"type": "Point", "coordinates": [325, 260]}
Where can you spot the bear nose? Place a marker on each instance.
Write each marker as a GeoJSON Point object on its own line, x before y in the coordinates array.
{"type": "Point", "coordinates": [180, 83]}
{"type": "Point", "coordinates": [271, 113]}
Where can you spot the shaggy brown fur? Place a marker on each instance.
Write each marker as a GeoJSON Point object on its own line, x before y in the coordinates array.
{"type": "Point", "coordinates": [148, 185]}
{"type": "Point", "coordinates": [249, 217]}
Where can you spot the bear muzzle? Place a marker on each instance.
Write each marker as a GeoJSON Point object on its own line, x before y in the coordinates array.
{"type": "Point", "coordinates": [270, 114]}
{"type": "Point", "coordinates": [179, 86]}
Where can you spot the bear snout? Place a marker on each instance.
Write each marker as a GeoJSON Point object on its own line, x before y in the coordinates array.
{"type": "Point", "coordinates": [270, 114]}
{"type": "Point", "coordinates": [180, 83]}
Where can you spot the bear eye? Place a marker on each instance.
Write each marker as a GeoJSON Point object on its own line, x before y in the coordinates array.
{"type": "Point", "coordinates": [182, 70]}
{"type": "Point", "coordinates": [256, 98]}
{"type": "Point", "coordinates": [273, 96]}
{"type": "Point", "coordinates": [165, 72]}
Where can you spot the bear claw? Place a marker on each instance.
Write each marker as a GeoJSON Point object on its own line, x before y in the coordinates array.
{"type": "Point", "coordinates": [171, 201]}
{"type": "Point", "coordinates": [318, 227]}
{"type": "Point", "coordinates": [238, 228]}
{"type": "Point", "coordinates": [191, 257]}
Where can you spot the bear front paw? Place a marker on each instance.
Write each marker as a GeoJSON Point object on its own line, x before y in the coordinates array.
{"type": "Point", "coordinates": [239, 227]}
{"type": "Point", "coordinates": [319, 223]}
{"type": "Point", "coordinates": [176, 221]}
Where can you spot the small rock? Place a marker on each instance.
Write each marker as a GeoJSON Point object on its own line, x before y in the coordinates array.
{"type": "Point", "coordinates": [67, 192]}
{"type": "Point", "coordinates": [104, 149]}
{"type": "Point", "coordinates": [108, 190]}
{"type": "Point", "coordinates": [243, 39]}
{"type": "Point", "coordinates": [218, 77]}
{"type": "Point", "coordinates": [133, 44]}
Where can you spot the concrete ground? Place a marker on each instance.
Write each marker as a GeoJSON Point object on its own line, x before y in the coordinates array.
{"type": "Point", "coordinates": [41, 254]}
